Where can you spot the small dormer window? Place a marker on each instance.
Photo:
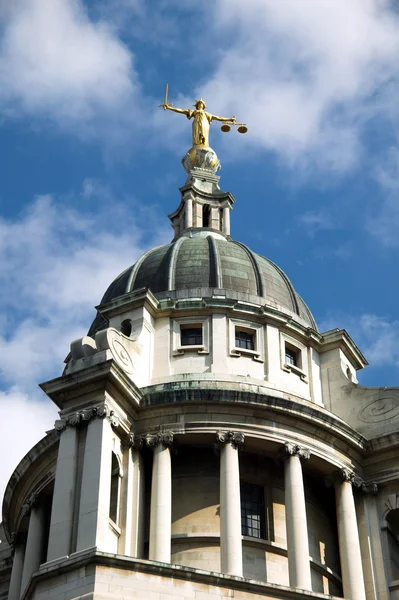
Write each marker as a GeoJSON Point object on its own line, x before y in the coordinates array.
{"type": "Point", "coordinates": [291, 357]}
{"type": "Point", "coordinates": [245, 339]}
{"type": "Point", "coordinates": [191, 335]}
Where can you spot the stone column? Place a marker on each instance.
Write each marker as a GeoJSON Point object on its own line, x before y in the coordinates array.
{"type": "Point", "coordinates": [161, 497]}
{"type": "Point", "coordinates": [348, 536]}
{"type": "Point", "coordinates": [35, 543]}
{"type": "Point", "coordinates": [131, 542]}
{"type": "Point", "coordinates": [295, 517]}
{"type": "Point", "coordinates": [188, 222]}
{"type": "Point", "coordinates": [230, 503]}
{"type": "Point", "coordinates": [62, 510]}
{"type": "Point", "coordinates": [215, 218]}
{"type": "Point", "coordinates": [14, 591]}
{"type": "Point", "coordinates": [94, 506]}
{"type": "Point", "coordinates": [226, 220]}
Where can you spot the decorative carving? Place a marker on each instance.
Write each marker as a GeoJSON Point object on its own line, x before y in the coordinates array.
{"type": "Point", "coordinates": [31, 501]}
{"type": "Point", "coordinates": [131, 440]}
{"type": "Point", "coordinates": [290, 449]}
{"type": "Point", "coordinates": [379, 410]}
{"type": "Point", "coordinates": [201, 158]}
{"type": "Point", "coordinates": [235, 438]}
{"type": "Point", "coordinates": [349, 476]}
{"type": "Point", "coordinates": [100, 411]}
{"type": "Point", "coordinates": [164, 438]}
{"type": "Point", "coordinates": [121, 347]}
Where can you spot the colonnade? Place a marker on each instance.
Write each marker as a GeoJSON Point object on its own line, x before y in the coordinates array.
{"type": "Point", "coordinates": [94, 509]}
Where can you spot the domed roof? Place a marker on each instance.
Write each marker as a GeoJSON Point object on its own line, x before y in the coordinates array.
{"type": "Point", "coordinates": [197, 263]}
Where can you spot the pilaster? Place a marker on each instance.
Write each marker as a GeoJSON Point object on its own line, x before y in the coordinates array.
{"type": "Point", "coordinates": [94, 506]}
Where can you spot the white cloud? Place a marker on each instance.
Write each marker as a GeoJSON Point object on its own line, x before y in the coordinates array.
{"type": "Point", "coordinates": [56, 63]}
{"type": "Point", "coordinates": [383, 224]}
{"type": "Point", "coordinates": [28, 419]}
{"type": "Point", "coordinates": [307, 76]}
{"type": "Point", "coordinates": [55, 265]}
{"type": "Point", "coordinates": [316, 220]}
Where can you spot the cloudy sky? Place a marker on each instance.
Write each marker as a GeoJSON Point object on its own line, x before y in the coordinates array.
{"type": "Point", "coordinates": [91, 166]}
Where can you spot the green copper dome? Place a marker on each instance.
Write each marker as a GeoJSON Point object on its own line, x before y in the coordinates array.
{"type": "Point", "coordinates": [197, 263]}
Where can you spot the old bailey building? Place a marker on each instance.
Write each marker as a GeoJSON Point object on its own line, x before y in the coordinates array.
{"type": "Point", "coordinates": [211, 442]}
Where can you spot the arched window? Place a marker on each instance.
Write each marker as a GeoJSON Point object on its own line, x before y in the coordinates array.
{"type": "Point", "coordinates": [392, 520]}
{"type": "Point", "coordinates": [126, 327]}
{"type": "Point", "coordinates": [115, 490]}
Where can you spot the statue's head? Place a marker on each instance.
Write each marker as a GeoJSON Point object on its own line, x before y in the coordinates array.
{"type": "Point", "coordinates": [200, 104]}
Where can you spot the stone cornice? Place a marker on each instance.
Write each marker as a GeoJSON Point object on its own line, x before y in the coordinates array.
{"type": "Point", "coordinates": [168, 571]}
{"type": "Point", "coordinates": [226, 392]}
{"type": "Point", "coordinates": [103, 375]}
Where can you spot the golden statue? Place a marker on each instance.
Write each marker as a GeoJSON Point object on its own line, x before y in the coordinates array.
{"type": "Point", "coordinates": [202, 120]}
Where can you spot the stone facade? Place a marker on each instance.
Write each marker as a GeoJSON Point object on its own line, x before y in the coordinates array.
{"type": "Point", "coordinates": [211, 444]}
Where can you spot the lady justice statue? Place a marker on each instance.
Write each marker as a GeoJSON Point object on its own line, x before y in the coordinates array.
{"type": "Point", "coordinates": [201, 155]}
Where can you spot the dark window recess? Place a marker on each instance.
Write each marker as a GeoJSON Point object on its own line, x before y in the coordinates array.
{"type": "Point", "coordinates": [126, 327]}
{"type": "Point", "coordinates": [206, 216]}
{"type": "Point", "coordinates": [191, 336]}
{"type": "Point", "coordinates": [252, 511]}
{"type": "Point", "coordinates": [114, 494]}
{"type": "Point", "coordinates": [291, 357]}
{"type": "Point", "coordinates": [245, 340]}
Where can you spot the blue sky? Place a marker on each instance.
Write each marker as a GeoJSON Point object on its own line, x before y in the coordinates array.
{"type": "Point", "coordinates": [91, 166]}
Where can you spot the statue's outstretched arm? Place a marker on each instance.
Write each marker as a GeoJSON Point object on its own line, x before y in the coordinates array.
{"type": "Point", "coordinates": [225, 119]}
{"type": "Point", "coordinates": [183, 111]}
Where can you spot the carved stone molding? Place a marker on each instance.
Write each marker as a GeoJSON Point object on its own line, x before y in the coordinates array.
{"type": "Point", "coordinates": [31, 501]}
{"type": "Point", "coordinates": [101, 411]}
{"type": "Point", "coordinates": [235, 438]}
{"type": "Point", "coordinates": [17, 538]}
{"type": "Point", "coordinates": [154, 439]}
{"type": "Point", "coordinates": [132, 440]}
{"type": "Point", "coordinates": [290, 449]}
{"type": "Point", "coordinates": [346, 475]}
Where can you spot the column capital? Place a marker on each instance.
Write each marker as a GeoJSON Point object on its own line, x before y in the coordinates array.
{"type": "Point", "coordinates": [101, 411]}
{"type": "Point", "coordinates": [291, 449]}
{"type": "Point", "coordinates": [132, 440]}
{"type": "Point", "coordinates": [346, 475]}
{"type": "Point", "coordinates": [235, 438]}
{"type": "Point", "coordinates": [30, 502]}
{"type": "Point", "coordinates": [154, 439]}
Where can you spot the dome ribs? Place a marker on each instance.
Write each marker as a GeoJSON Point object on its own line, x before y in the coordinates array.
{"type": "Point", "coordinates": [130, 286]}
{"type": "Point", "coordinates": [260, 283]}
{"type": "Point", "coordinates": [291, 291]}
{"type": "Point", "coordinates": [172, 263]}
{"type": "Point", "coordinates": [215, 274]}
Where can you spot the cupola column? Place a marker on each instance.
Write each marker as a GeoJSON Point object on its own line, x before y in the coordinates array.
{"type": "Point", "coordinates": [14, 592]}
{"type": "Point", "coordinates": [62, 510]}
{"type": "Point", "coordinates": [295, 517]}
{"type": "Point", "coordinates": [94, 506]}
{"type": "Point", "coordinates": [348, 536]}
{"type": "Point", "coordinates": [188, 217]}
{"type": "Point", "coordinates": [230, 503]}
{"type": "Point", "coordinates": [35, 543]}
{"type": "Point", "coordinates": [161, 497]}
{"type": "Point", "coordinates": [226, 220]}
